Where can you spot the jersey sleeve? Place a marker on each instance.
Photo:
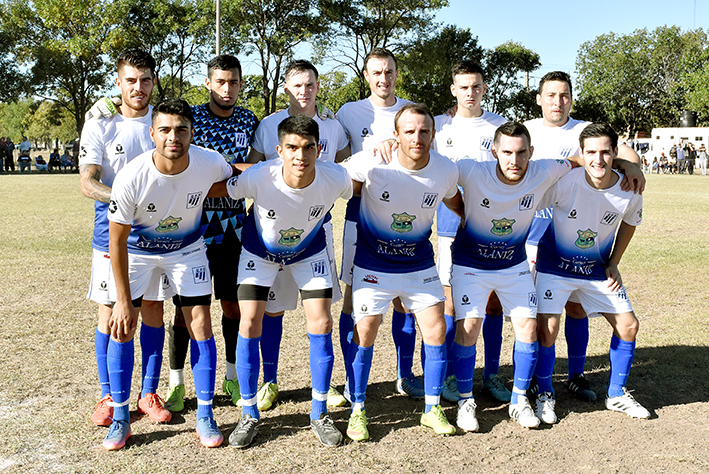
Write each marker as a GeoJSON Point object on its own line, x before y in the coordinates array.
{"type": "Point", "coordinates": [122, 207]}
{"type": "Point", "coordinates": [342, 138]}
{"type": "Point", "coordinates": [357, 166]}
{"type": "Point", "coordinates": [92, 146]}
{"type": "Point", "coordinates": [258, 142]}
{"type": "Point", "coordinates": [634, 214]}
{"type": "Point", "coordinates": [453, 183]}
{"type": "Point", "coordinates": [237, 186]}
{"type": "Point", "coordinates": [346, 185]}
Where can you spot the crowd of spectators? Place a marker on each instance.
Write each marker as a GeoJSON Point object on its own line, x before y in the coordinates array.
{"type": "Point", "coordinates": [55, 162]}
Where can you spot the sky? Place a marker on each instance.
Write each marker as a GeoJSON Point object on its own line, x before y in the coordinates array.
{"type": "Point", "coordinates": [555, 29]}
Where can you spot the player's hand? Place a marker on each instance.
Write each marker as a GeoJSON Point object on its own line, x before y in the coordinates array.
{"type": "Point", "coordinates": [105, 108]}
{"type": "Point", "coordinates": [633, 179]}
{"type": "Point", "coordinates": [451, 112]}
{"type": "Point", "coordinates": [124, 320]}
{"type": "Point", "coordinates": [615, 282]}
{"type": "Point", "coordinates": [384, 149]}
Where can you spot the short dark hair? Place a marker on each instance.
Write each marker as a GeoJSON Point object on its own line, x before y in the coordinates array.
{"type": "Point", "coordinates": [560, 76]}
{"type": "Point", "coordinates": [598, 129]}
{"type": "Point", "coordinates": [300, 125]}
{"type": "Point", "coordinates": [300, 65]}
{"type": "Point", "coordinates": [138, 59]}
{"type": "Point", "coordinates": [223, 62]}
{"type": "Point", "coordinates": [380, 53]}
{"type": "Point", "coordinates": [174, 107]}
{"type": "Point", "coordinates": [418, 109]}
{"type": "Point", "coordinates": [512, 129]}
{"type": "Point", "coordinates": [467, 67]}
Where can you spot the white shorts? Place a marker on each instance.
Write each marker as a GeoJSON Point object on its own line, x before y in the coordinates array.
{"type": "Point", "coordinates": [445, 259]}
{"type": "Point", "coordinates": [159, 288]}
{"type": "Point", "coordinates": [514, 287]}
{"type": "Point", "coordinates": [283, 295]}
{"type": "Point", "coordinates": [187, 271]}
{"type": "Point", "coordinates": [594, 295]}
{"type": "Point", "coordinates": [312, 273]}
{"type": "Point", "coordinates": [349, 246]}
{"type": "Point", "coordinates": [372, 291]}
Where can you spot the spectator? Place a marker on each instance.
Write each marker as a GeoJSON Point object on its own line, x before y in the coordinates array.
{"type": "Point", "coordinates": [10, 159]}
{"type": "Point", "coordinates": [4, 152]}
{"type": "Point", "coordinates": [55, 162]}
{"type": "Point", "coordinates": [41, 163]}
{"type": "Point", "coordinates": [75, 152]}
{"type": "Point", "coordinates": [67, 161]}
{"type": "Point", "coordinates": [703, 158]}
{"type": "Point", "coordinates": [25, 162]}
{"type": "Point", "coordinates": [690, 155]}
{"type": "Point", "coordinates": [24, 157]}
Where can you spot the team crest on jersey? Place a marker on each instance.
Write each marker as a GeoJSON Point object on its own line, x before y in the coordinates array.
{"type": "Point", "coordinates": [241, 140]}
{"type": "Point", "coordinates": [316, 212]}
{"type": "Point", "coordinates": [323, 144]}
{"type": "Point", "coordinates": [565, 152]}
{"type": "Point", "coordinates": [572, 214]}
{"type": "Point", "coordinates": [485, 143]}
{"type": "Point", "coordinates": [290, 237]}
{"type": "Point", "coordinates": [640, 213]}
{"type": "Point", "coordinates": [193, 199]}
{"type": "Point", "coordinates": [502, 227]}
{"type": "Point", "coordinates": [402, 222]}
{"type": "Point", "coordinates": [485, 203]}
{"type": "Point", "coordinates": [609, 218]}
{"type": "Point", "coordinates": [119, 149]}
{"type": "Point", "coordinates": [150, 208]}
{"type": "Point", "coordinates": [112, 207]}
{"type": "Point", "coordinates": [385, 196]}
{"type": "Point", "coordinates": [429, 200]}
{"type": "Point", "coordinates": [200, 274]}
{"type": "Point", "coordinates": [526, 203]}
{"type": "Point", "coordinates": [169, 224]}
{"type": "Point", "coordinates": [587, 239]}
{"type": "Point", "coordinates": [365, 132]}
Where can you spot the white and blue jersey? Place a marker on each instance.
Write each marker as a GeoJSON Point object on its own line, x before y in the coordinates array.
{"type": "Point", "coordinates": [551, 142]}
{"type": "Point", "coordinates": [397, 210]}
{"type": "Point", "coordinates": [164, 211]}
{"type": "Point", "coordinates": [111, 143]}
{"type": "Point", "coordinates": [579, 241]}
{"type": "Point", "coordinates": [498, 216]}
{"type": "Point", "coordinates": [463, 138]}
{"type": "Point", "coordinates": [285, 225]}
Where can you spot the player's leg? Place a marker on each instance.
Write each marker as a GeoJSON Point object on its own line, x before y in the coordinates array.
{"type": "Point", "coordinates": [178, 341]}
{"type": "Point", "coordinates": [152, 339]}
{"type": "Point", "coordinates": [492, 336]}
{"type": "Point", "coordinates": [443, 264]}
{"type": "Point", "coordinates": [334, 397]}
{"type": "Point", "coordinates": [403, 331]}
{"type": "Point", "coordinates": [346, 321]}
{"type": "Point", "coordinates": [577, 336]}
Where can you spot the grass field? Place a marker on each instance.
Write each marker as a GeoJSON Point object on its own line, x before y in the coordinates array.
{"type": "Point", "coordinates": [48, 384]}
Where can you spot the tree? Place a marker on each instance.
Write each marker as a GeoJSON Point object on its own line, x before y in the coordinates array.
{"type": "Point", "coordinates": [638, 78]}
{"type": "Point", "coordinates": [12, 118]}
{"type": "Point", "coordinates": [425, 69]}
{"type": "Point", "coordinates": [60, 42]}
{"type": "Point", "coordinates": [270, 29]}
{"type": "Point", "coordinates": [336, 89]}
{"type": "Point", "coordinates": [49, 124]}
{"type": "Point", "coordinates": [12, 82]}
{"type": "Point", "coordinates": [504, 66]}
{"type": "Point", "coordinates": [361, 25]}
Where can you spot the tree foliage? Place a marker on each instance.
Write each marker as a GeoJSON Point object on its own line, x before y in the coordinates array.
{"type": "Point", "coordinates": [504, 67]}
{"type": "Point", "coordinates": [641, 80]}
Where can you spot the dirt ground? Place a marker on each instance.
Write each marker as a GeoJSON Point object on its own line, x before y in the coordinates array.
{"type": "Point", "coordinates": [48, 384]}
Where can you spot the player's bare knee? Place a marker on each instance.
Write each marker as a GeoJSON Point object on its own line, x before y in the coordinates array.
{"type": "Point", "coordinates": [230, 309]}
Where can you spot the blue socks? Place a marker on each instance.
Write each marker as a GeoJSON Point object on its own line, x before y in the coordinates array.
{"type": "Point", "coordinates": [119, 359]}
{"type": "Point", "coordinates": [492, 336]}
{"type": "Point", "coordinates": [321, 361]}
{"type": "Point", "coordinates": [434, 374]}
{"type": "Point", "coordinates": [203, 356]}
{"type": "Point", "coordinates": [247, 369]}
{"type": "Point", "coordinates": [545, 368]}
{"type": "Point", "coordinates": [576, 332]}
{"type": "Point", "coordinates": [346, 333]}
{"type": "Point", "coordinates": [403, 330]}
{"type": "Point", "coordinates": [152, 341]}
{"type": "Point", "coordinates": [621, 356]}
{"type": "Point", "coordinates": [464, 362]}
{"type": "Point", "coordinates": [101, 346]}
{"type": "Point", "coordinates": [270, 346]}
{"type": "Point", "coordinates": [525, 359]}
{"type": "Point", "coordinates": [359, 364]}
{"type": "Point", "coordinates": [450, 337]}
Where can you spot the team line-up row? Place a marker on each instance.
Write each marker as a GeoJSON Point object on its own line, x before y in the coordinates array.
{"type": "Point", "coordinates": [170, 181]}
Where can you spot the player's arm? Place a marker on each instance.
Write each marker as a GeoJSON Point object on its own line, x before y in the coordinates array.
{"type": "Point", "coordinates": [255, 156]}
{"type": "Point", "coordinates": [384, 149]}
{"type": "Point", "coordinates": [357, 188]}
{"type": "Point", "coordinates": [343, 154]}
{"type": "Point", "coordinates": [622, 239]}
{"type": "Point", "coordinates": [629, 162]}
{"type": "Point", "coordinates": [455, 204]}
{"type": "Point", "coordinates": [219, 189]}
{"type": "Point", "coordinates": [91, 185]}
{"type": "Point", "coordinates": [124, 317]}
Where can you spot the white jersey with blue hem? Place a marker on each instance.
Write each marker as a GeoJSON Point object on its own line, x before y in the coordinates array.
{"type": "Point", "coordinates": [285, 225]}
{"type": "Point", "coordinates": [551, 142]}
{"type": "Point", "coordinates": [332, 136]}
{"type": "Point", "coordinates": [498, 216]}
{"type": "Point", "coordinates": [111, 143]}
{"type": "Point", "coordinates": [164, 211]}
{"type": "Point", "coordinates": [579, 241]}
{"type": "Point", "coordinates": [463, 138]}
{"type": "Point", "coordinates": [397, 210]}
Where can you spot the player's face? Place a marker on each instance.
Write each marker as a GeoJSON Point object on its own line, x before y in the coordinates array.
{"type": "Point", "coordinates": [302, 88]}
{"type": "Point", "coordinates": [136, 85]}
{"type": "Point", "coordinates": [414, 133]}
{"type": "Point", "coordinates": [513, 154]}
{"type": "Point", "coordinates": [555, 101]}
{"type": "Point", "coordinates": [468, 89]}
{"type": "Point", "coordinates": [299, 154]}
{"type": "Point", "coordinates": [224, 87]}
{"type": "Point", "coordinates": [172, 135]}
{"type": "Point", "coordinates": [598, 154]}
{"type": "Point", "coordinates": [381, 74]}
